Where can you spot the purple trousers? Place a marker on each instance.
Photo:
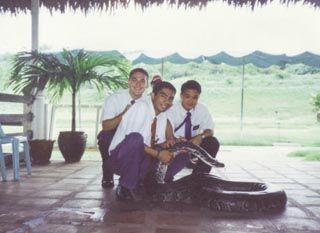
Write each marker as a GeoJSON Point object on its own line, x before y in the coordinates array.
{"type": "Point", "coordinates": [132, 164]}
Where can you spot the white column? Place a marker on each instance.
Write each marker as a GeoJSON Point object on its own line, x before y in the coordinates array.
{"type": "Point", "coordinates": [39, 123]}
{"type": "Point", "coordinates": [34, 24]}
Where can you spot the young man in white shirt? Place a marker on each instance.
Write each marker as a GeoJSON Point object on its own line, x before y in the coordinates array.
{"type": "Point", "coordinates": [133, 150]}
{"type": "Point", "coordinates": [114, 107]}
{"type": "Point", "coordinates": [191, 120]}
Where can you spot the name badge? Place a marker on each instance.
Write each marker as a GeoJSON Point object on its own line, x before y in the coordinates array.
{"type": "Point", "coordinates": [195, 127]}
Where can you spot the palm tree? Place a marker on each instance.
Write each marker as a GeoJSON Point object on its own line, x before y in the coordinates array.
{"type": "Point", "coordinates": [66, 72]}
{"type": "Point", "coordinates": [32, 72]}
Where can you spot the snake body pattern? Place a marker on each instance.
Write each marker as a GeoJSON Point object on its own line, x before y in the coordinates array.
{"type": "Point", "coordinates": [213, 192]}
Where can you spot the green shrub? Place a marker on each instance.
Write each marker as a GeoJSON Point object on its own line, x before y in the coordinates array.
{"type": "Point", "coordinates": [309, 155]}
{"type": "Point", "coordinates": [315, 101]}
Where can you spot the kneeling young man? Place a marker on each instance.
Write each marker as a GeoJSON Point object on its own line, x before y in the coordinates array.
{"type": "Point", "coordinates": [133, 150]}
{"type": "Point", "coordinates": [114, 107]}
{"type": "Point", "coordinates": [191, 120]}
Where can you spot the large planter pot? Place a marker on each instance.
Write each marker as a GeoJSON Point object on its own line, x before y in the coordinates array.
{"type": "Point", "coordinates": [40, 151]}
{"type": "Point", "coordinates": [72, 145]}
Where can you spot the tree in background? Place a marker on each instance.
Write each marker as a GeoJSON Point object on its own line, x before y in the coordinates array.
{"type": "Point", "coordinates": [68, 71]}
{"type": "Point", "coordinates": [315, 101]}
{"type": "Point", "coordinates": [63, 72]}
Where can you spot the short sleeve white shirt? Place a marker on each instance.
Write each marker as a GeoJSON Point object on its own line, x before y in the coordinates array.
{"type": "Point", "coordinates": [138, 119]}
{"type": "Point", "coordinates": [115, 103]}
{"type": "Point", "coordinates": [200, 119]}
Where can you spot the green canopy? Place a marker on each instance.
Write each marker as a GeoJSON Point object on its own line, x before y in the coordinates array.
{"type": "Point", "coordinates": [257, 58]}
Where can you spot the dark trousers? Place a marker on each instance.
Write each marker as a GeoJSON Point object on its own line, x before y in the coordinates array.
{"type": "Point", "coordinates": [128, 160]}
{"type": "Point", "coordinates": [134, 166]}
{"type": "Point", "coordinates": [104, 141]}
{"type": "Point", "coordinates": [211, 145]}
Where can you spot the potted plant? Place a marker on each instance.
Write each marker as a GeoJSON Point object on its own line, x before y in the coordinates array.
{"type": "Point", "coordinates": [64, 72]}
{"type": "Point", "coordinates": [40, 151]}
{"type": "Point", "coordinates": [315, 101]}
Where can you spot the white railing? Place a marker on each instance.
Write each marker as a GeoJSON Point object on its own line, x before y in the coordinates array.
{"type": "Point", "coordinates": [94, 121]}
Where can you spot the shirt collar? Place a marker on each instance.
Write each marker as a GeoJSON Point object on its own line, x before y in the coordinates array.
{"type": "Point", "coordinates": [150, 106]}
{"type": "Point", "coordinates": [184, 110]}
{"type": "Point", "coordinates": [137, 100]}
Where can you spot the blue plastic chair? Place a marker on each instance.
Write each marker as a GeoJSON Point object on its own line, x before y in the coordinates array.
{"type": "Point", "coordinates": [15, 142]}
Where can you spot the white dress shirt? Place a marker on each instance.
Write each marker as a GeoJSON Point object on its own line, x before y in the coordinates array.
{"type": "Point", "coordinates": [200, 119]}
{"type": "Point", "coordinates": [115, 103]}
{"type": "Point", "coordinates": [138, 119]}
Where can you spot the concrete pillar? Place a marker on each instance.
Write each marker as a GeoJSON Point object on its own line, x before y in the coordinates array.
{"type": "Point", "coordinates": [39, 123]}
{"type": "Point", "coordinates": [34, 25]}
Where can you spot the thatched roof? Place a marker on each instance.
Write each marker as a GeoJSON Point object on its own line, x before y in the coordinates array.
{"type": "Point", "coordinates": [16, 6]}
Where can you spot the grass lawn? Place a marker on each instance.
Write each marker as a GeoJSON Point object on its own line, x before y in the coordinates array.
{"type": "Point", "coordinates": [276, 106]}
{"type": "Point", "coordinates": [309, 155]}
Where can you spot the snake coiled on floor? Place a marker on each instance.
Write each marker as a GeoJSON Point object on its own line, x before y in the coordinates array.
{"type": "Point", "coordinates": [214, 192]}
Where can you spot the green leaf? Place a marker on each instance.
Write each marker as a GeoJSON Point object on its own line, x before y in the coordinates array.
{"type": "Point", "coordinates": [67, 71]}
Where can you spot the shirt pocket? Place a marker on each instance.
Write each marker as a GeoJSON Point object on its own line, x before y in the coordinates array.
{"type": "Point", "coordinates": [195, 127]}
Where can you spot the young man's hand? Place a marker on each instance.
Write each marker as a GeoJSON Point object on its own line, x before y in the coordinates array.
{"type": "Point", "coordinates": [166, 156]}
{"type": "Point", "coordinates": [114, 122]}
{"type": "Point", "coordinates": [197, 140]}
{"type": "Point", "coordinates": [169, 143]}
{"type": "Point", "coordinates": [181, 139]}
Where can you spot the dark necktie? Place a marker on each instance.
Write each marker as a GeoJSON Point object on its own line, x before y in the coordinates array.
{"type": "Point", "coordinates": [132, 102]}
{"type": "Point", "coordinates": [187, 129]}
{"type": "Point", "coordinates": [153, 132]}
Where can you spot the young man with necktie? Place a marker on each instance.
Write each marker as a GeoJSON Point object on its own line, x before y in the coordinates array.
{"type": "Point", "coordinates": [192, 121]}
{"type": "Point", "coordinates": [114, 107]}
{"type": "Point", "coordinates": [140, 141]}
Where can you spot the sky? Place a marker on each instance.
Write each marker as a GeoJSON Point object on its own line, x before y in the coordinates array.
{"type": "Point", "coordinates": [163, 30]}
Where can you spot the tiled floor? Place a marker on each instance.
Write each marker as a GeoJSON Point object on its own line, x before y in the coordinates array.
{"type": "Point", "coordinates": [68, 198]}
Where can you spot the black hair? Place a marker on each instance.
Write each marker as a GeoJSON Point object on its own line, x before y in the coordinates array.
{"type": "Point", "coordinates": [154, 82]}
{"type": "Point", "coordinates": [141, 70]}
{"type": "Point", "coordinates": [159, 79]}
{"type": "Point", "coordinates": [191, 84]}
{"type": "Point", "coordinates": [161, 85]}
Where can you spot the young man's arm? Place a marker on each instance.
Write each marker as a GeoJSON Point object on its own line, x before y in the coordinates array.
{"type": "Point", "coordinates": [206, 127]}
{"type": "Point", "coordinates": [197, 140]}
{"type": "Point", "coordinates": [164, 156]}
{"type": "Point", "coordinates": [114, 122]}
{"type": "Point", "coordinates": [169, 130]}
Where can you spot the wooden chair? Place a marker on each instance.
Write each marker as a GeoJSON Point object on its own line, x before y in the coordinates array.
{"type": "Point", "coordinates": [15, 142]}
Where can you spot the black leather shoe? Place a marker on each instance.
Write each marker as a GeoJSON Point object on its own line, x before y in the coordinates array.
{"type": "Point", "coordinates": [124, 194]}
{"type": "Point", "coordinates": [107, 184]}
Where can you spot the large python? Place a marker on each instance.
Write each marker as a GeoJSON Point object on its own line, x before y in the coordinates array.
{"type": "Point", "coordinates": [214, 192]}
